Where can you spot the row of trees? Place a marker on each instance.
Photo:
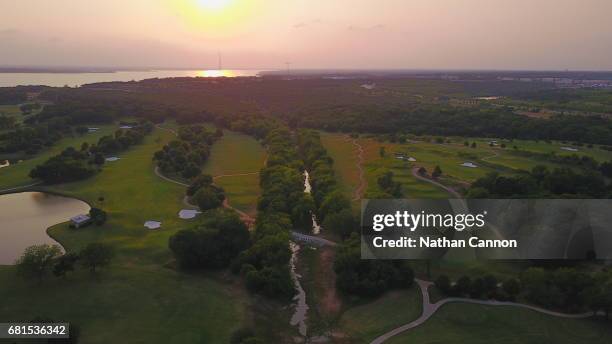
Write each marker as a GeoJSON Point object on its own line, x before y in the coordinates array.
{"type": "Point", "coordinates": [71, 164]}
{"type": "Point", "coordinates": [32, 138]}
{"type": "Point", "coordinates": [564, 288]}
{"type": "Point", "coordinates": [265, 265]}
{"type": "Point", "coordinates": [186, 155]}
{"type": "Point", "coordinates": [37, 261]}
{"type": "Point", "coordinates": [446, 120]}
{"type": "Point", "coordinates": [355, 276]}
{"type": "Point", "coordinates": [544, 183]}
{"type": "Point", "coordinates": [333, 209]}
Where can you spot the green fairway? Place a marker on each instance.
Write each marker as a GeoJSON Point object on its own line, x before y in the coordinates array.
{"type": "Point", "coordinates": [17, 174]}
{"type": "Point", "coordinates": [465, 323]}
{"type": "Point", "coordinates": [365, 322]}
{"type": "Point", "coordinates": [139, 295]}
{"type": "Point", "coordinates": [345, 155]}
{"type": "Point", "coordinates": [234, 162]}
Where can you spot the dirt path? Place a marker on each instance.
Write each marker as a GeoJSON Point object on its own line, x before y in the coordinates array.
{"type": "Point", "coordinates": [330, 303]}
{"type": "Point", "coordinates": [430, 309]}
{"type": "Point", "coordinates": [362, 181]}
{"type": "Point", "coordinates": [415, 173]}
{"type": "Point", "coordinates": [490, 156]}
{"type": "Point", "coordinates": [235, 175]}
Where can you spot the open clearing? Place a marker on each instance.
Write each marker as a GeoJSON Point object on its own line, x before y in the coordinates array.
{"type": "Point", "coordinates": [234, 162]}
{"type": "Point", "coordinates": [468, 323]}
{"type": "Point", "coordinates": [365, 322]}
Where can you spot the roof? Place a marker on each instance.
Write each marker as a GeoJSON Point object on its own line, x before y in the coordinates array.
{"type": "Point", "coordinates": [80, 219]}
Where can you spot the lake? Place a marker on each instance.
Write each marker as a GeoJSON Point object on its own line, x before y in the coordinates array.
{"type": "Point", "coordinates": [78, 79]}
{"type": "Point", "coordinates": [25, 217]}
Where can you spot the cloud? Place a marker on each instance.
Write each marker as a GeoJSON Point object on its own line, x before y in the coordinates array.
{"type": "Point", "coordinates": [9, 32]}
{"type": "Point", "coordinates": [366, 28]}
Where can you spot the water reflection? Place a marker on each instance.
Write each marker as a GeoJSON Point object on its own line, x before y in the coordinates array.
{"type": "Point", "coordinates": [25, 217]}
{"type": "Point", "coordinates": [217, 73]}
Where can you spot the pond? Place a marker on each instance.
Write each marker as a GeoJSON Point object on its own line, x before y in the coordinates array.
{"type": "Point", "coordinates": [25, 217]}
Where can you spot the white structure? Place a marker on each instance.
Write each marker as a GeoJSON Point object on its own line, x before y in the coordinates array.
{"type": "Point", "coordinates": [125, 127]}
{"type": "Point", "coordinates": [469, 164]}
{"type": "Point", "coordinates": [570, 149]}
{"type": "Point", "coordinates": [112, 158]}
{"type": "Point", "coordinates": [188, 214]}
{"type": "Point", "coordinates": [152, 224]}
{"type": "Point", "coordinates": [80, 220]}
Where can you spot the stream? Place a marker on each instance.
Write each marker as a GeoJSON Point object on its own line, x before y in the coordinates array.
{"type": "Point", "coordinates": [301, 307]}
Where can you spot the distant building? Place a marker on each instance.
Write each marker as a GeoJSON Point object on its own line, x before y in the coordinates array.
{"type": "Point", "coordinates": [80, 221]}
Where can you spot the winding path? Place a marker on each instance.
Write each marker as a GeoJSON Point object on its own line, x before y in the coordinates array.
{"type": "Point", "coordinates": [430, 308]}
{"type": "Point", "coordinates": [415, 173]}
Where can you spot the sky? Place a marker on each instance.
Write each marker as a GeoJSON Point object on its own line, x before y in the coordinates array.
{"type": "Point", "coordinates": [349, 34]}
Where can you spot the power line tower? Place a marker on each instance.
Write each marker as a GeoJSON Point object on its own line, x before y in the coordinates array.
{"type": "Point", "coordinates": [288, 64]}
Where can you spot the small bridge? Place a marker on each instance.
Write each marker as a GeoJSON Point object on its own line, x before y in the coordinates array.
{"type": "Point", "coordinates": [311, 240]}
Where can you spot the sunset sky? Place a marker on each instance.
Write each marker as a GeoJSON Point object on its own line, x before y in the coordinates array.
{"type": "Point", "coordinates": [453, 34]}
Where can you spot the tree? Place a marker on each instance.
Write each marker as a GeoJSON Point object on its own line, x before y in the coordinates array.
{"type": "Point", "coordinates": [342, 223]}
{"type": "Point", "coordinates": [437, 172]}
{"type": "Point", "coordinates": [381, 152]}
{"type": "Point", "coordinates": [463, 285]}
{"type": "Point", "coordinates": [96, 255]}
{"type": "Point", "coordinates": [443, 284]}
{"type": "Point", "coordinates": [65, 264]}
{"type": "Point", "coordinates": [477, 288]}
{"type": "Point", "coordinates": [36, 261]}
{"type": "Point", "coordinates": [209, 197]}
{"type": "Point", "coordinates": [512, 287]}
{"type": "Point", "coordinates": [214, 244]}
{"type": "Point", "coordinates": [473, 145]}
{"type": "Point", "coordinates": [98, 216]}
{"type": "Point", "coordinates": [422, 171]}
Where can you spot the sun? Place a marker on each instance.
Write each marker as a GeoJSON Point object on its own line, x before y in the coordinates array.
{"type": "Point", "coordinates": [214, 5]}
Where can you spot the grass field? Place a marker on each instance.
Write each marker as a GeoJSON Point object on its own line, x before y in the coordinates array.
{"type": "Point", "coordinates": [17, 175]}
{"type": "Point", "coordinates": [449, 156]}
{"type": "Point", "coordinates": [365, 322]}
{"type": "Point", "coordinates": [465, 323]}
{"type": "Point", "coordinates": [235, 154]}
{"type": "Point", "coordinates": [344, 153]}
{"type": "Point", "coordinates": [139, 295]}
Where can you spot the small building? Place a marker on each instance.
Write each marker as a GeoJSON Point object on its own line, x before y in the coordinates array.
{"type": "Point", "coordinates": [92, 130]}
{"type": "Point", "coordinates": [80, 221]}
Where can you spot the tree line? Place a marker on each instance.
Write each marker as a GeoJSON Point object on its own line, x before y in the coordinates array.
{"type": "Point", "coordinates": [72, 164]}
{"type": "Point", "coordinates": [185, 156]}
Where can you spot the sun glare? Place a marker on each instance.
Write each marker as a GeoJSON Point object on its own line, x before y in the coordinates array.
{"type": "Point", "coordinates": [215, 5]}
{"type": "Point", "coordinates": [215, 73]}
{"type": "Point", "coordinates": [215, 18]}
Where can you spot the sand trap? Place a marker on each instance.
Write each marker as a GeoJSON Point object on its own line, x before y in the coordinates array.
{"type": "Point", "coordinates": [125, 127]}
{"type": "Point", "coordinates": [188, 214]}
{"type": "Point", "coordinates": [469, 164]}
{"type": "Point", "coordinates": [152, 224]}
{"type": "Point", "coordinates": [112, 158]}
{"type": "Point", "coordinates": [570, 149]}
